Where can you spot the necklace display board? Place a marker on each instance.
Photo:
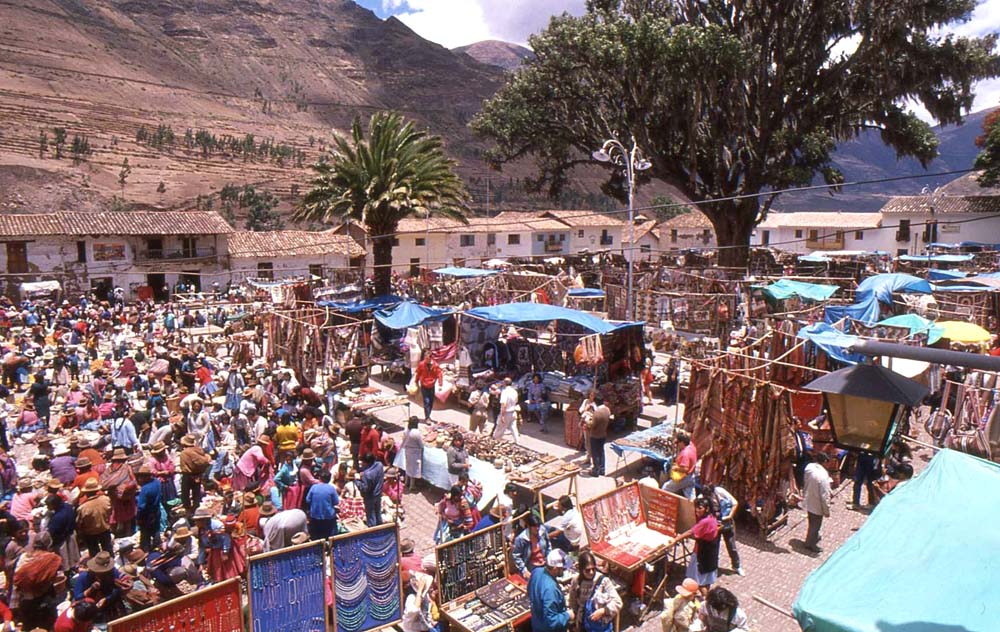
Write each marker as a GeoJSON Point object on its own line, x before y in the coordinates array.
{"type": "Point", "coordinates": [216, 608]}
{"type": "Point", "coordinates": [475, 594]}
{"type": "Point", "coordinates": [367, 587]}
{"type": "Point", "coordinates": [616, 528]}
{"type": "Point", "coordinates": [287, 590]}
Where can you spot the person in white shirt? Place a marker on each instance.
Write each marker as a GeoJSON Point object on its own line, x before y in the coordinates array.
{"type": "Point", "coordinates": [566, 529]}
{"type": "Point", "coordinates": [507, 421]}
{"type": "Point", "coordinates": [417, 615]}
{"type": "Point", "coordinates": [816, 487]}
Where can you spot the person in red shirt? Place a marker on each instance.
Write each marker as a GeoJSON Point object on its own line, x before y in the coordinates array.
{"type": "Point", "coordinates": [428, 372]}
{"type": "Point", "coordinates": [704, 564]}
{"type": "Point", "coordinates": [682, 479]}
{"type": "Point", "coordinates": [77, 618]}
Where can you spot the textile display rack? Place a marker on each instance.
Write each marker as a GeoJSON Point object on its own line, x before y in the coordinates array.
{"type": "Point", "coordinates": [475, 593]}
{"type": "Point", "coordinates": [217, 608]}
{"type": "Point", "coordinates": [288, 590]}
{"type": "Point", "coordinates": [367, 584]}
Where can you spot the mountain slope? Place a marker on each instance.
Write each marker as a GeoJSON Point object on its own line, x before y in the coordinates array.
{"type": "Point", "coordinates": [497, 53]}
{"type": "Point", "coordinates": [867, 158]}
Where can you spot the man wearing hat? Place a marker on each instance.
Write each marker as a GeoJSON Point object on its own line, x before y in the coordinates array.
{"type": "Point", "coordinates": [548, 604]}
{"type": "Point", "coordinates": [148, 508]}
{"type": "Point", "coordinates": [194, 462]}
{"type": "Point", "coordinates": [87, 450]}
{"type": "Point", "coordinates": [63, 464]}
{"type": "Point", "coordinates": [250, 514]}
{"type": "Point", "coordinates": [84, 472]}
{"type": "Point", "coordinates": [93, 518]}
{"type": "Point", "coordinates": [62, 520]}
{"type": "Point", "coordinates": [409, 561]}
{"type": "Point", "coordinates": [279, 527]}
{"type": "Point", "coordinates": [99, 583]}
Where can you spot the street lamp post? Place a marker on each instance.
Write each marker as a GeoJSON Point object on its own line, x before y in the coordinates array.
{"type": "Point", "coordinates": [617, 154]}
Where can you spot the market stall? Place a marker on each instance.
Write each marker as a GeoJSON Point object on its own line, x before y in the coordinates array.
{"type": "Point", "coordinates": [367, 584]}
{"type": "Point", "coordinates": [655, 443]}
{"type": "Point", "coordinates": [475, 594]}
{"type": "Point", "coordinates": [402, 332]}
{"type": "Point", "coordinates": [216, 607]}
{"type": "Point", "coordinates": [287, 590]}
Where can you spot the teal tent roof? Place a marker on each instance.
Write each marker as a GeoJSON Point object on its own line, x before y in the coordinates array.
{"type": "Point", "coordinates": [916, 324]}
{"type": "Point", "coordinates": [784, 288]}
{"type": "Point", "coordinates": [520, 313]}
{"type": "Point", "coordinates": [465, 273]}
{"type": "Point", "coordinates": [925, 561]}
{"type": "Point", "coordinates": [409, 314]}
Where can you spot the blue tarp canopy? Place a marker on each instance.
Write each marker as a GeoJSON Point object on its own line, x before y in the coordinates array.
{"type": "Point", "coordinates": [962, 244]}
{"type": "Point", "coordinates": [833, 341]}
{"type": "Point", "coordinates": [784, 288]}
{"type": "Point", "coordinates": [586, 292]}
{"type": "Point", "coordinates": [945, 275]}
{"type": "Point", "coordinates": [874, 290]}
{"type": "Point", "coordinates": [523, 313]}
{"type": "Point", "coordinates": [362, 305]}
{"type": "Point", "coordinates": [465, 273]}
{"type": "Point", "coordinates": [916, 324]}
{"type": "Point", "coordinates": [937, 258]}
{"type": "Point", "coordinates": [409, 314]}
{"type": "Point", "coordinates": [924, 561]}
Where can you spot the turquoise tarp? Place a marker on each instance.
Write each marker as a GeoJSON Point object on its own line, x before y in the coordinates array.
{"type": "Point", "coordinates": [937, 258]}
{"type": "Point", "coordinates": [874, 290]}
{"type": "Point", "coordinates": [916, 324]}
{"type": "Point", "coordinates": [784, 288]}
{"type": "Point", "coordinates": [409, 314]}
{"type": "Point", "coordinates": [833, 341]}
{"type": "Point", "coordinates": [540, 313]}
{"type": "Point", "coordinates": [586, 292]}
{"type": "Point", "coordinates": [924, 561]}
{"type": "Point", "coordinates": [465, 273]}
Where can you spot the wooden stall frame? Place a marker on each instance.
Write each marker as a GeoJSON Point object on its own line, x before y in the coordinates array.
{"type": "Point", "coordinates": [282, 551]}
{"type": "Point", "coordinates": [506, 573]}
{"type": "Point", "coordinates": [332, 542]}
{"type": "Point", "coordinates": [118, 625]}
{"type": "Point", "coordinates": [537, 490]}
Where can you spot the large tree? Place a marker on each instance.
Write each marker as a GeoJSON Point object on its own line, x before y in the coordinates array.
{"type": "Point", "coordinates": [393, 172]}
{"type": "Point", "coordinates": [732, 98]}
{"type": "Point", "coordinates": [988, 160]}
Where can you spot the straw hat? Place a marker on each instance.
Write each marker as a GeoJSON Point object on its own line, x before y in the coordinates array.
{"type": "Point", "coordinates": [54, 485]}
{"type": "Point", "coordinates": [182, 533]}
{"type": "Point", "coordinates": [145, 470]}
{"type": "Point", "coordinates": [249, 499]}
{"type": "Point", "coordinates": [203, 513]}
{"type": "Point", "coordinates": [136, 557]}
{"type": "Point", "coordinates": [267, 509]}
{"type": "Point", "coordinates": [308, 455]}
{"type": "Point", "coordinates": [91, 486]}
{"type": "Point", "coordinates": [101, 563]}
{"type": "Point", "coordinates": [158, 448]}
{"type": "Point", "coordinates": [24, 485]}
{"type": "Point", "coordinates": [119, 455]}
{"type": "Point", "coordinates": [406, 546]}
{"type": "Point", "coordinates": [83, 462]}
{"type": "Point", "coordinates": [187, 441]}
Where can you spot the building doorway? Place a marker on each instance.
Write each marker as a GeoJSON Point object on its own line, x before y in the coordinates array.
{"type": "Point", "coordinates": [158, 283]}
{"type": "Point", "coordinates": [191, 280]}
{"type": "Point", "coordinates": [101, 287]}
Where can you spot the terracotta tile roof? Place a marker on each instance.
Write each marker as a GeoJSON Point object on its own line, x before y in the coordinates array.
{"type": "Point", "coordinates": [822, 219]}
{"type": "Point", "coordinates": [114, 223]}
{"type": "Point", "coordinates": [640, 230]}
{"type": "Point", "coordinates": [591, 219]}
{"type": "Point", "coordinates": [291, 243]}
{"type": "Point", "coordinates": [691, 219]}
{"type": "Point", "coordinates": [435, 223]}
{"type": "Point", "coordinates": [521, 222]}
{"type": "Point", "coordinates": [943, 204]}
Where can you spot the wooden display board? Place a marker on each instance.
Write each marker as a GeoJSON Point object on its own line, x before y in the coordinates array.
{"type": "Point", "coordinates": [466, 564]}
{"type": "Point", "coordinates": [367, 584]}
{"type": "Point", "coordinates": [667, 513]}
{"type": "Point", "coordinates": [217, 608]}
{"type": "Point", "coordinates": [617, 530]}
{"type": "Point", "coordinates": [287, 590]}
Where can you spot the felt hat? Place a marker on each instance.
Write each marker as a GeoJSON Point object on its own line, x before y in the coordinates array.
{"type": "Point", "coordinates": [101, 563]}
{"type": "Point", "coordinates": [267, 509]}
{"type": "Point", "coordinates": [82, 462]}
{"type": "Point", "coordinates": [249, 499]}
{"type": "Point", "coordinates": [44, 439]}
{"type": "Point", "coordinates": [202, 513]}
{"type": "Point", "coordinates": [308, 455]}
{"type": "Point", "coordinates": [24, 485]}
{"type": "Point", "coordinates": [687, 588]}
{"type": "Point", "coordinates": [158, 448]}
{"type": "Point", "coordinates": [187, 441]}
{"type": "Point", "coordinates": [182, 533]}
{"type": "Point", "coordinates": [91, 486]}
{"type": "Point", "coordinates": [54, 485]}
{"type": "Point", "coordinates": [119, 455]}
{"type": "Point", "coordinates": [136, 556]}
{"type": "Point", "coordinates": [130, 570]}
{"type": "Point", "coordinates": [300, 538]}
{"type": "Point", "coordinates": [406, 546]}
{"type": "Point", "coordinates": [145, 470]}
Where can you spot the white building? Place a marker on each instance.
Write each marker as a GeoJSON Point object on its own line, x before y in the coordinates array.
{"type": "Point", "coordinates": [131, 249]}
{"type": "Point", "coordinates": [646, 235]}
{"type": "Point", "coordinates": [590, 230]}
{"type": "Point", "coordinates": [911, 222]}
{"type": "Point", "coordinates": [808, 231]}
{"type": "Point", "coordinates": [293, 253]}
{"type": "Point", "coordinates": [687, 231]}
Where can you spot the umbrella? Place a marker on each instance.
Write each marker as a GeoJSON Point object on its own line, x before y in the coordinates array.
{"type": "Point", "coordinates": [871, 382]}
{"type": "Point", "coordinates": [958, 331]}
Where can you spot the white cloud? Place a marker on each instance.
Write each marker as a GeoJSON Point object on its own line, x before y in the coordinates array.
{"type": "Point", "coordinates": [454, 23]}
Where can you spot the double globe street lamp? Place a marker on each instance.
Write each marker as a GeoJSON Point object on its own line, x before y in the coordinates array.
{"type": "Point", "coordinates": [631, 159]}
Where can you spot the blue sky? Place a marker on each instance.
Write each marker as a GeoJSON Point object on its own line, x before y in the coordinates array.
{"type": "Point", "coordinates": [454, 23]}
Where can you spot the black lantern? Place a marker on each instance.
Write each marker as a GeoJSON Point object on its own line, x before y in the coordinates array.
{"type": "Point", "coordinates": [865, 402]}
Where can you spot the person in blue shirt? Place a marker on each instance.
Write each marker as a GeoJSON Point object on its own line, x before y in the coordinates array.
{"type": "Point", "coordinates": [148, 508]}
{"type": "Point", "coordinates": [322, 501]}
{"type": "Point", "coordinates": [123, 434]}
{"type": "Point", "coordinates": [531, 546]}
{"type": "Point", "coordinates": [99, 583]}
{"type": "Point", "coordinates": [62, 520]}
{"type": "Point", "coordinates": [370, 487]}
{"type": "Point", "coordinates": [548, 604]}
{"type": "Point", "coordinates": [492, 518]}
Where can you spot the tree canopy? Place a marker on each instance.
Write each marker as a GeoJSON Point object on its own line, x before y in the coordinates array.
{"type": "Point", "coordinates": [734, 98]}
{"type": "Point", "coordinates": [988, 160]}
{"type": "Point", "coordinates": [393, 172]}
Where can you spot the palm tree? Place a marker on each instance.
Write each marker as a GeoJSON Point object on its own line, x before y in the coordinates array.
{"type": "Point", "coordinates": [395, 172]}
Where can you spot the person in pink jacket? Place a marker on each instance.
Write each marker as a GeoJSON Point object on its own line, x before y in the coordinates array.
{"type": "Point", "coordinates": [253, 468]}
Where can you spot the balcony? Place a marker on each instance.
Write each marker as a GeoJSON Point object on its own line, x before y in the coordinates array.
{"type": "Point", "coordinates": [607, 241]}
{"type": "Point", "coordinates": [179, 254]}
{"type": "Point", "coordinates": [553, 246]}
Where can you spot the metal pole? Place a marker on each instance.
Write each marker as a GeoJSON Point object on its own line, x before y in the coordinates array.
{"type": "Point", "coordinates": [925, 354]}
{"type": "Point", "coordinates": [630, 171]}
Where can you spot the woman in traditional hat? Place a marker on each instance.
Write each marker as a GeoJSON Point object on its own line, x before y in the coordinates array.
{"type": "Point", "coordinates": [28, 420]}
{"type": "Point", "coordinates": [163, 468]}
{"type": "Point", "coordinates": [120, 483]}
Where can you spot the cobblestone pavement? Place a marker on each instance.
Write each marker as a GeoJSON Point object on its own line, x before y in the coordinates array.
{"type": "Point", "coordinates": [776, 567]}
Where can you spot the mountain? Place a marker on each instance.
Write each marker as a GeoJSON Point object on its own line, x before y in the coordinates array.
{"type": "Point", "coordinates": [196, 94]}
{"type": "Point", "coordinates": [867, 158]}
{"type": "Point", "coordinates": [496, 53]}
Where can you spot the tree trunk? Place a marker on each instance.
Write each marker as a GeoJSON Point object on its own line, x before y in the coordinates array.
{"type": "Point", "coordinates": [382, 259]}
{"type": "Point", "coordinates": [734, 224]}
